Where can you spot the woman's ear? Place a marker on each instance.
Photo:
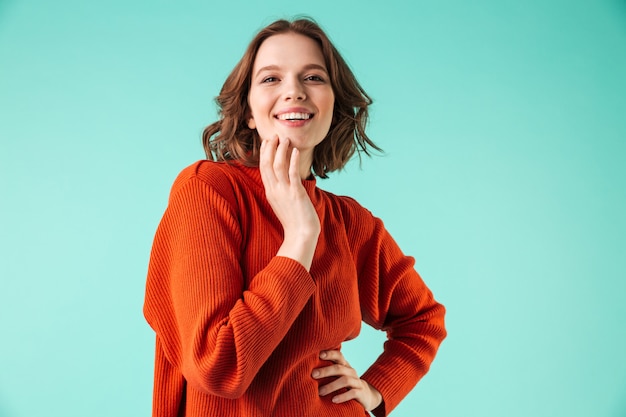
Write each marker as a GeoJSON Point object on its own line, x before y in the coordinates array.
{"type": "Point", "coordinates": [251, 123]}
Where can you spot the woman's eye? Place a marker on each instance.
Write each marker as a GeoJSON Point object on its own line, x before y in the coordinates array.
{"type": "Point", "coordinates": [314, 78]}
{"type": "Point", "coordinates": [269, 79]}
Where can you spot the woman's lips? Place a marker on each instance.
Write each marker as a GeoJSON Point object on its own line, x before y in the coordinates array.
{"type": "Point", "coordinates": [294, 117]}
{"type": "Point", "coordinates": [294, 122]}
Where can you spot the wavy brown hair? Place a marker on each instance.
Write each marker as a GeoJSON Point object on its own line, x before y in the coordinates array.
{"type": "Point", "coordinates": [230, 138]}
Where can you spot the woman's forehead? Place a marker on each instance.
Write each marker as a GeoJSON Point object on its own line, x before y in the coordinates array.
{"type": "Point", "coordinates": [287, 50]}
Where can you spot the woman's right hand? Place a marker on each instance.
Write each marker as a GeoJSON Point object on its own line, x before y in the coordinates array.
{"type": "Point", "coordinates": [280, 172]}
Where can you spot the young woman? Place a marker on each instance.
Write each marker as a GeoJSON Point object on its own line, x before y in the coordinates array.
{"type": "Point", "coordinates": [257, 276]}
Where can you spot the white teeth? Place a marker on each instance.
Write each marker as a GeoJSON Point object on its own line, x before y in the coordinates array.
{"type": "Point", "coordinates": [294, 116]}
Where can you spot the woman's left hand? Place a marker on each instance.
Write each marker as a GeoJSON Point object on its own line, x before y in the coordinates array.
{"type": "Point", "coordinates": [357, 389]}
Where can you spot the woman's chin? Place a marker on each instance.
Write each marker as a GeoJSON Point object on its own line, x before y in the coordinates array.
{"type": "Point", "coordinates": [303, 142]}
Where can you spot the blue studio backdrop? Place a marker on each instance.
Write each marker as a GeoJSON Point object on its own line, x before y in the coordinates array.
{"type": "Point", "coordinates": [504, 175]}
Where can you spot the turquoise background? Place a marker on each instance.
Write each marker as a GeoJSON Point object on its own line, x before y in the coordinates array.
{"type": "Point", "coordinates": [504, 175]}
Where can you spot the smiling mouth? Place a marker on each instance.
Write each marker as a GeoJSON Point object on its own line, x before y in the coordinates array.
{"type": "Point", "coordinates": [294, 116]}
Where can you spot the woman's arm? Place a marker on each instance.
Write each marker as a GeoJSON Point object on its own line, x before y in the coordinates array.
{"type": "Point", "coordinates": [289, 200]}
{"type": "Point", "coordinates": [214, 330]}
{"type": "Point", "coordinates": [394, 298]}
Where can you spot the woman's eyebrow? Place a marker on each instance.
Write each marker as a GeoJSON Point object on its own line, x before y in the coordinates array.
{"type": "Point", "coordinates": [276, 67]}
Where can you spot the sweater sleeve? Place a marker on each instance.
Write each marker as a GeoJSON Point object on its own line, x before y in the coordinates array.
{"type": "Point", "coordinates": [394, 298]}
{"type": "Point", "coordinates": [214, 330]}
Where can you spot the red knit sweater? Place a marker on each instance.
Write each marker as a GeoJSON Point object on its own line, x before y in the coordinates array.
{"type": "Point", "coordinates": [239, 330]}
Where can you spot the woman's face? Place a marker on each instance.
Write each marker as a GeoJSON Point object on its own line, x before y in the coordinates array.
{"type": "Point", "coordinates": [290, 93]}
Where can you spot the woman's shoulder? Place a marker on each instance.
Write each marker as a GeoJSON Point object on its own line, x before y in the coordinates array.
{"type": "Point", "coordinates": [358, 222]}
{"type": "Point", "coordinates": [351, 210]}
{"type": "Point", "coordinates": [217, 176]}
{"type": "Point", "coordinates": [209, 172]}
{"type": "Point", "coordinates": [217, 173]}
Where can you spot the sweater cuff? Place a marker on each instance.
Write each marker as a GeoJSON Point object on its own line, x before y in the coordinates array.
{"type": "Point", "coordinates": [287, 276]}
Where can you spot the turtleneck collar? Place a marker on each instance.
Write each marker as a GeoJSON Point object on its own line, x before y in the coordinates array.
{"type": "Point", "coordinates": [310, 184]}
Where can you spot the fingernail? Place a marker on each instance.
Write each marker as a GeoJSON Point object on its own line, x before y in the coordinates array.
{"type": "Point", "coordinates": [323, 355]}
{"type": "Point", "coordinates": [335, 399]}
{"type": "Point", "coordinates": [316, 374]}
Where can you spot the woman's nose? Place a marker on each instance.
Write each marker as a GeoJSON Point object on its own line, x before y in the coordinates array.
{"type": "Point", "coordinates": [294, 90]}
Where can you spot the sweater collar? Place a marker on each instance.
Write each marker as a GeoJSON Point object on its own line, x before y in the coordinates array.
{"type": "Point", "coordinates": [310, 184]}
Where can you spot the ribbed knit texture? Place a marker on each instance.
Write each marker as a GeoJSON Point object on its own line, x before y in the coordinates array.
{"type": "Point", "coordinates": [239, 330]}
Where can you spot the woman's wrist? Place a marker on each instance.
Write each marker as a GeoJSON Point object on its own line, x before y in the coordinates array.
{"type": "Point", "coordinates": [300, 248]}
{"type": "Point", "coordinates": [376, 396]}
